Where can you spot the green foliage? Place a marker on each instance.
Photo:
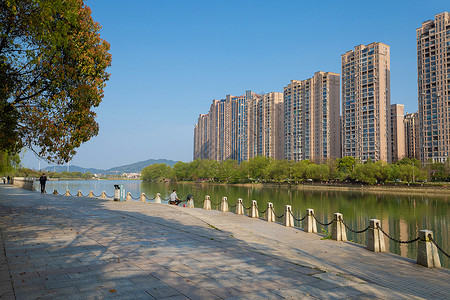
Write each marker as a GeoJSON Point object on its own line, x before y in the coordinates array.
{"type": "Point", "coordinates": [52, 73]}
{"type": "Point", "coordinates": [156, 172]}
{"type": "Point", "coordinates": [261, 169]}
{"type": "Point", "coordinates": [8, 162]}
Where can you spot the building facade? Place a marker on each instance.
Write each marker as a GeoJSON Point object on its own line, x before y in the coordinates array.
{"type": "Point", "coordinates": [433, 71]}
{"type": "Point", "coordinates": [366, 102]}
{"type": "Point", "coordinates": [240, 127]}
{"type": "Point", "coordinates": [265, 126]}
{"type": "Point", "coordinates": [312, 118]}
{"type": "Point", "coordinates": [397, 132]}
{"type": "Point", "coordinates": [412, 139]}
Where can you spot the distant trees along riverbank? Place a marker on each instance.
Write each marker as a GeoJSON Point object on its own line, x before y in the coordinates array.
{"type": "Point", "coordinates": [264, 169]}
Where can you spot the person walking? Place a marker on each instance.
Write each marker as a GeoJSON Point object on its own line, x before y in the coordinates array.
{"type": "Point", "coordinates": [4, 180]}
{"type": "Point", "coordinates": [42, 181]}
{"type": "Point", "coordinates": [174, 198]}
{"type": "Point", "coordinates": [9, 179]}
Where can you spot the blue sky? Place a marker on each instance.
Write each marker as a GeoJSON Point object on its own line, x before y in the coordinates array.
{"type": "Point", "coordinates": [170, 59]}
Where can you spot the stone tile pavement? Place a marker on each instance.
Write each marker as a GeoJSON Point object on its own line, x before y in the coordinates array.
{"type": "Point", "coordinates": [85, 248]}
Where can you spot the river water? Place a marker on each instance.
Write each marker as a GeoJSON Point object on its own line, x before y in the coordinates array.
{"type": "Point", "coordinates": [402, 216]}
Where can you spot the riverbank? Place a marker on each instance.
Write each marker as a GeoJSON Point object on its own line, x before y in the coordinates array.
{"type": "Point", "coordinates": [434, 190]}
{"type": "Point", "coordinates": [86, 248]}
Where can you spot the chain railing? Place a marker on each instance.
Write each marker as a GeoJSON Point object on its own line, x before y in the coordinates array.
{"type": "Point", "coordinates": [276, 216]}
{"type": "Point", "coordinates": [340, 219]}
{"type": "Point", "coordinates": [299, 220]}
{"type": "Point", "coordinates": [430, 237]}
{"type": "Point", "coordinates": [323, 224]}
{"type": "Point", "coordinates": [352, 230]}
{"type": "Point", "coordinates": [395, 240]}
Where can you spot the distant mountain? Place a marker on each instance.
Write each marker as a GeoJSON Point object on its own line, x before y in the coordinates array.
{"type": "Point", "coordinates": [137, 167]}
{"type": "Point", "coordinates": [73, 169]}
{"type": "Point", "coordinates": [131, 168]}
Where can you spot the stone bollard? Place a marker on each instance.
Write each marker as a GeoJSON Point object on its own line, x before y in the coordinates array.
{"type": "Point", "coordinates": [91, 194]}
{"type": "Point", "coordinates": [55, 192]}
{"type": "Point", "coordinates": [288, 218]}
{"type": "Point", "coordinates": [224, 205]}
{"type": "Point", "coordinates": [375, 238]}
{"type": "Point", "coordinates": [254, 210]}
{"type": "Point", "coordinates": [310, 224]}
{"type": "Point", "coordinates": [239, 207]}
{"type": "Point", "coordinates": [427, 252]}
{"type": "Point", "coordinates": [79, 194]}
{"type": "Point", "coordinates": [270, 215]}
{"type": "Point", "coordinates": [207, 203]}
{"type": "Point", "coordinates": [338, 232]}
{"type": "Point", "coordinates": [142, 197]}
{"type": "Point", "coordinates": [128, 198]}
{"type": "Point", "coordinates": [67, 193]}
{"type": "Point", "coordinates": [158, 198]}
{"type": "Point", "coordinates": [103, 196]}
{"type": "Point", "coordinates": [190, 201]}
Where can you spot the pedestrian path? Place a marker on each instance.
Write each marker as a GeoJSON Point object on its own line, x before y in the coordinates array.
{"type": "Point", "coordinates": [86, 248]}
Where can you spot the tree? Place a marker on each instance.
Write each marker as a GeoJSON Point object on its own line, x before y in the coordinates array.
{"type": "Point", "coordinates": [53, 71]}
{"type": "Point", "coordinates": [156, 172]}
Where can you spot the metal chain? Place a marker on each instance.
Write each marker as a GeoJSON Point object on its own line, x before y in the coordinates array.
{"type": "Point", "coordinates": [261, 212]}
{"type": "Point", "coordinates": [108, 196]}
{"type": "Point", "coordinates": [233, 206]}
{"type": "Point", "coordinates": [301, 219]}
{"type": "Point", "coordinates": [246, 207]}
{"type": "Point", "coordinates": [395, 240]}
{"type": "Point", "coordinates": [148, 198]}
{"type": "Point", "coordinates": [355, 231]}
{"type": "Point", "coordinates": [437, 246]}
{"type": "Point", "coordinates": [323, 224]}
{"type": "Point", "coordinates": [279, 217]}
{"type": "Point", "coordinates": [96, 195]}
{"type": "Point", "coordinates": [215, 203]}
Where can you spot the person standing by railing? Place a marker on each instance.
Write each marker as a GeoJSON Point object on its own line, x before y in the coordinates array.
{"type": "Point", "coordinates": [42, 181]}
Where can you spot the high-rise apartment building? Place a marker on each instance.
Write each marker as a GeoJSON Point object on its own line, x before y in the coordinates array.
{"type": "Point", "coordinates": [223, 133]}
{"type": "Point", "coordinates": [312, 118]}
{"type": "Point", "coordinates": [412, 140]}
{"type": "Point", "coordinates": [201, 137]}
{"type": "Point", "coordinates": [397, 132]}
{"type": "Point", "coordinates": [433, 71]}
{"type": "Point", "coordinates": [265, 126]}
{"type": "Point", "coordinates": [366, 102]}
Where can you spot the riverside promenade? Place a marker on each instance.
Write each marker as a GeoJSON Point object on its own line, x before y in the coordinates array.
{"type": "Point", "coordinates": [87, 248]}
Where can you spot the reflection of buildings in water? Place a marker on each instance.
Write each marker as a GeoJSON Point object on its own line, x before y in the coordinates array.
{"type": "Point", "coordinates": [398, 229]}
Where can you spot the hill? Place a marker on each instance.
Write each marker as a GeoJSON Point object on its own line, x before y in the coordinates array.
{"type": "Point", "coordinates": [131, 168]}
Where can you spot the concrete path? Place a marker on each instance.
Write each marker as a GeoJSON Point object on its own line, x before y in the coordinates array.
{"type": "Point", "coordinates": [85, 248]}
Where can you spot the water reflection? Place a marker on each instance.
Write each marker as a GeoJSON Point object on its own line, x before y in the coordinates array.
{"type": "Point", "coordinates": [402, 216]}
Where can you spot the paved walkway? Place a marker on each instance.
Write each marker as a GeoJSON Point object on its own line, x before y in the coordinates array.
{"type": "Point", "coordinates": [85, 248]}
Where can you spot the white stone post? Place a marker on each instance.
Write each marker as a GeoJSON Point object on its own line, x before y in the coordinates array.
{"type": "Point", "coordinates": [310, 224]}
{"type": "Point", "coordinates": [207, 203]}
{"type": "Point", "coordinates": [91, 194]}
{"type": "Point", "coordinates": [224, 205]}
{"type": "Point", "coordinates": [254, 210]}
{"type": "Point", "coordinates": [288, 218]}
{"type": "Point", "coordinates": [103, 196]}
{"type": "Point", "coordinates": [55, 192]}
{"type": "Point", "coordinates": [79, 194]}
{"type": "Point", "coordinates": [427, 252]}
{"type": "Point", "coordinates": [158, 198]}
{"type": "Point", "coordinates": [67, 193]}
{"type": "Point", "coordinates": [338, 232]}
{"type": "Point", "coordinates": [190, 202]}
{"type": "Point", "coordinates": [375, 238]}
{"type": "Point", "coordinates": [128, 198]}
{"type": "Point", "coordinates": [270, 215]}
{"type": "Point", "coordinates": [239, 207]}
{"type": "Point", "coordinates": [142, 198]}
